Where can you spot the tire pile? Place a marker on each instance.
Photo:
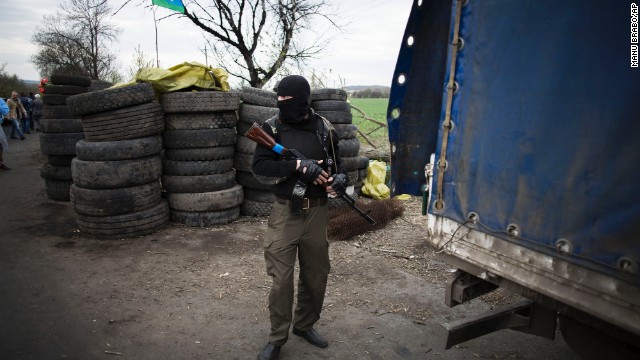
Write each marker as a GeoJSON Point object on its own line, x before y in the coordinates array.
{"type": "Point", "coordinates": [258, 105]}
{"type": "Point", "coordinates": [332, 104]}
{"type": "Point", "coordinates": [60, 130]}
{"type": "Point", "coordinates": [116, 174]}
{"type": "Point", "coordinates": [198, 172]}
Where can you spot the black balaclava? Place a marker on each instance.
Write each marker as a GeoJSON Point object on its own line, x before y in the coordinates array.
{"type": "Point", "coordinates": [296, 109]}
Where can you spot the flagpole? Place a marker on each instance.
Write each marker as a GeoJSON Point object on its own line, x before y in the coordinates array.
{"type": "Point", "coordinates": [155, 23]}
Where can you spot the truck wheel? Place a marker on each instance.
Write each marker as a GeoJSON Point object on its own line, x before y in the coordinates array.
{"type": "Point", "coordinates": [60, 144]}
{"type": "Point", "coordinates": [328, 94]}
{"type": "Point", "coordinates": [200, 183]}
{"type": "Point", "coordinates": [116, 174]}
{"type": "Point", "coordinates": [57, 126]}
{"type": "Point", "coordinates": [200, 154]}
{"type": "Point", "coordinates": [256, 208]}
{"type": "Point", "coordinates": [64, 79]}
{"type": "Point", "coordinates": [119, 150]}
{"type": "Point", "coordinates": [110, 99]}
{"type": "Point", "coordinates": [245, 145]}
{"type": "Point", "coordinates": [208, 218]}
{"type": "Point", "coordinates": [202, 101]}
{"type": "Point", "coordinates": [242, 162]}
{"type": "Point", "coordinates": [190, 168]}
{"type": "Point", "coordinates": [126, 225]}
{"type": "Point", "coordinates": [346, 131]}
{"type": "Point", "coordinates": [200, 121]}
{"type": "Point", "coordinates": [337, 117]}
{"type": "Point", "coordinates": [349, 147]}
{"type": "Point", "coordinates": [131, 122]}
{"type": "Point", "coordinates": [106, 202]}
{"type": "Point", "coordinates": [255, 113]}
{"type": "Point", "coordinates": [206, 201]}
{"type": "Point", "coordinates": [331, 105]}
{"type": "Point", "coordinates": [591, 343]}
{"type": "Point", "coordinates": [184, 139]}
{"type": "Point", "coordinates": [50, 172]}
{"type": "Point", "coordinates": [57, 189]}
{"type": "Point", "coordinates": [260, 97]}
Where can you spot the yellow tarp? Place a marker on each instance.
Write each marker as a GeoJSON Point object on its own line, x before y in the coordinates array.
{"type": "Point", "coordinates": [374, 185]}
{"type": "Point", "coordinates": [183, 76]}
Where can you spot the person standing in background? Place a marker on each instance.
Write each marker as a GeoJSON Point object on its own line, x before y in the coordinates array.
{"type": "Point", "coordinates": [27, 104]}
{"type": "Point", "coordinates": [4, 145]}
{"type": "Point", "coordinates": [37, 112]}
{"type": "Point", "coordinates": [16, 110]}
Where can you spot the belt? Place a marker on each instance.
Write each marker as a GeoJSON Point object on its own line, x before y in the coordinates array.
{"type": "Point", "coordinates": [306, 202]}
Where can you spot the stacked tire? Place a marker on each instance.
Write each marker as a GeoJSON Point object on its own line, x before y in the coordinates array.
{"type": "Point", "coordinates": [257, 106]}
{"type": "Point", "coordinates": [332, 104]}
{"type": "Point", "coordinates": [60, 130]}
{"type": "Point", "coordinates": [117, 191]}
{"type": "Point", "coordinates": [198, 172]}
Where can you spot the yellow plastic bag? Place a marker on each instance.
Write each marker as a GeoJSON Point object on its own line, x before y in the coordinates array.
{"type": "Point", "coordinates": [182, 76]}
{"type": "Point", "coordinates": [374, 185]}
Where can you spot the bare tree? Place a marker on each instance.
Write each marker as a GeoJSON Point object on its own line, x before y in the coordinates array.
{"type": "Point", "coordinates": [254, 39]}
{"type": "Point", "coordinates": [139, 60]}
{"type": "Point", "coordinates": [76, 40]}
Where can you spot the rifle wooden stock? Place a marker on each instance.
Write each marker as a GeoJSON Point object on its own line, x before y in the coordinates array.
{"type": "Point", "coordinates": [260, 136]}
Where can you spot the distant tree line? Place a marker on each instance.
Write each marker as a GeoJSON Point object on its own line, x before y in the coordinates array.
{"type": "Point", "coordinates": [9, 83]}
{"type": "Point", "coordinates": [371, 93]}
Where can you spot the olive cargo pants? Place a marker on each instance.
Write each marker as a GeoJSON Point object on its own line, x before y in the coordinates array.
{"type": "Point", "coordinates": [306, 235]}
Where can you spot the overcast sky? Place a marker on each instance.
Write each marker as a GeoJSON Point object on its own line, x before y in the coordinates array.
{"type": "Point", "coordinates": [364, 54]}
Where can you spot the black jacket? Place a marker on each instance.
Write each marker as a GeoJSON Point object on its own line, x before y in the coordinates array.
{"type": "Point", "coordinates": [304, 137]}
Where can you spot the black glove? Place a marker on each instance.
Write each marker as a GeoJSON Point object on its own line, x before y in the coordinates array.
{"type": "Point", "coordinates": [339, 184]}
{"type": "Point", "coordinates": [313, 171]}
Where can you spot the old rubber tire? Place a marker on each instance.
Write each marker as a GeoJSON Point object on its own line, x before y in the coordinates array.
{"type": "Point", "coordinates": [206, 201]}
{"type": "Point", "coordinates": [191, 168]}
{"type": "Point", "coordinates": [51, 172]}
{"type": "Point", "coordinates": [127, 225]}
{"type": "Point", "coordinates": [256, 208]}
{"type": "Point", "coordinates": [110, 99]}
{"type": "Point", "coordinates": [328, 94]}
{"type": "Point", "coordinates": [242, 162]}
{"type": "Point", "coordinates": [595, 344]}
{"type": "Point", "coordinates": [200, 183]}
{"type": "Point", "coordinates": [127, 123]}
{"type": "Point", "coordinates": [116, 174]}
{"type": "Point", "coordinates": [119, 150]}
{"type": "Point", "coordinates": [242, 127]}
{"type": "Point", "coordinates": [260, 97]}
{"type": "Point", "coordinates": [337, 117]}
{"type": "Point", "coordinates": [64, 79]}
{"type": "Point", "coordinates": [57, 126]}
{"type": "Point", "coordinates": [346, 131]}
{"type": "Point", "coordinates": [245, 145]}
{"type": "Point", "coordinates": [259, 195]}
{"type": "Point", "coordinates": [363, 162]}
{"type": "Point", "coordinates": [349, 147]}
{"type": "Point", "coordinates": [58, 112]}
{"type": "Point", "coordinates": [184, 139]}
{"type": "Point", "coordinates": [60, 160]}
{"type": "Point", "coordinates": [59, 144]}
{"type": "Point", "coordinates": [202, 219]}
{"type": "Point", "coordinates": [65, 90]}
{"type": "Point", "coordinates": [103, 202]}
{"type": "Point", "coordinates": [255, 113]}
{"type": "Point", "coordinates": [331, 105]}
{"type": "Point", "coordinates": [350, 163]}
{"type": "Point", "coordinates": [201, 101]}
{"type": "Point", "coordinates": [199, 121]}
{"type": "Point", "coordinates": [247, 180]}
{"type": "Point", "coordinates": [99, 85]}
{"type": "Point", "coordinates": [200, 154]}
{"type": "Point", "coordinates": [57, 189]}
{"type": "Point", "coordinates": [54, 99]}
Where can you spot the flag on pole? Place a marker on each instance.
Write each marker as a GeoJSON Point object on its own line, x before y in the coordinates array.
{"type": "Point", "coordinates": [175, 5]}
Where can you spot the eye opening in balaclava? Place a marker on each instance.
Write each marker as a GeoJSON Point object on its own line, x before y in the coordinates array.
{"type": "Point", "coordinates": [296, 109]}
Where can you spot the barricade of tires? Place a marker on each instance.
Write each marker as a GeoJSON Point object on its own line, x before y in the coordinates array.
{"type": "Point", "coordinates": [116, 174]}
{"type": "Point", "coordinates": [60, 130]}
{"type": "Point", "coordinates": [257, 106]}
{"type": "Point", "coordinates": [332, 104]}
{"type": "Point", "coordinates": [198, 172]}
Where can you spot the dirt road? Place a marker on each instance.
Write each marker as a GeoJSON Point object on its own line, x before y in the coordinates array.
{"type": "Point", "coordinates": [186, 293]}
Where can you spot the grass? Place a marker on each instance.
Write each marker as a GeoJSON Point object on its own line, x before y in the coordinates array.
{"type": "Point", "coordinates": [377, 110]}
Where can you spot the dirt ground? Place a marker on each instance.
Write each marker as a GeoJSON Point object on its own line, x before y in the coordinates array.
{"type": "Point", "coordinates": [191, 293]}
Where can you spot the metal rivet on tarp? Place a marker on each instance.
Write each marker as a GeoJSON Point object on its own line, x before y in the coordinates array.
{"type": "Point", "coordinates": [473, 218]}
{"type": "Point", "coordinates": [564, 246]}
{"type": "Point", "coordinates": [513, 230]}
{"type": "Point", "coordinates": [627, 265]}
{"type": "Point", "coordinates": [455, 87]}
{"type": "Point", "coordinates": [460, 43]}
{"type": "Point", "coordinates": [438, 205]}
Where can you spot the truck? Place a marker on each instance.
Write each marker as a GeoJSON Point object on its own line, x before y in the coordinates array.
{"type": "Point", "coordinates": [519, 123]}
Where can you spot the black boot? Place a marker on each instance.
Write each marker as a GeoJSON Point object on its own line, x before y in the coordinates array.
{"type": "Point", "coordinates": [270, 352]}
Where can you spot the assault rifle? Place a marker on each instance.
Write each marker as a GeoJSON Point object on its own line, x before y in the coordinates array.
{"type": "Point", "coordinates": [258, 135]}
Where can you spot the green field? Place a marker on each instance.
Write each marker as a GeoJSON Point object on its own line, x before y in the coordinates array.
{"type": "Point", "coordinates": [375, 109]}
